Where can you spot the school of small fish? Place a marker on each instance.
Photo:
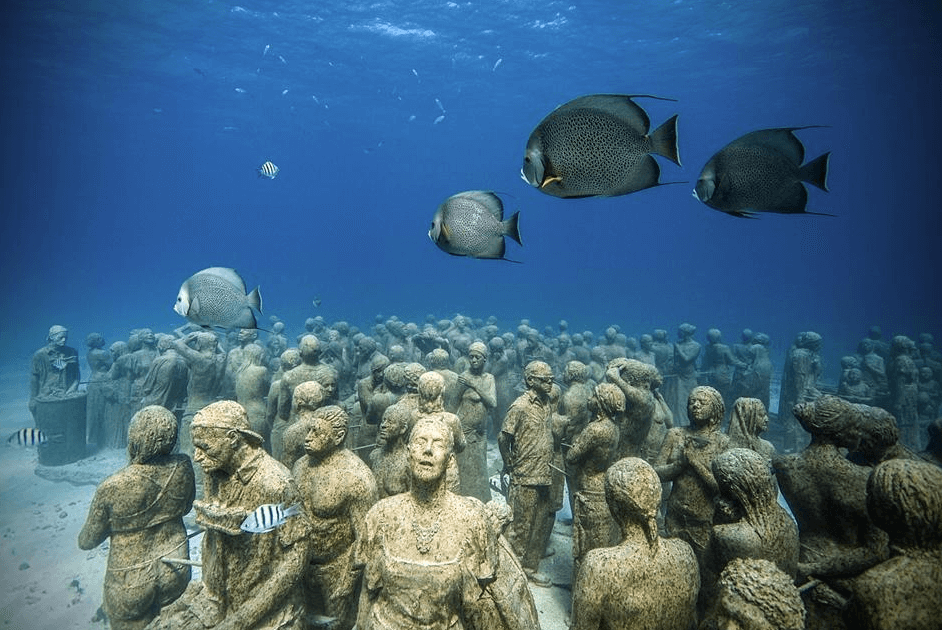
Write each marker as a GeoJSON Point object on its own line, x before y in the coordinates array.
{"type": "Point", "coordinates": [267, 517]}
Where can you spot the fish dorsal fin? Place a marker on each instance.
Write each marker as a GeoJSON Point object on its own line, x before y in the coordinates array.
{"type": "Point", "coordinates": [618, 105]}
{"type": "Point", "coordinates": [228, 274]}
{"type": "Point", "coordinates": [487, 199]}
{"type": "Point", "coordinates": [781, 139]}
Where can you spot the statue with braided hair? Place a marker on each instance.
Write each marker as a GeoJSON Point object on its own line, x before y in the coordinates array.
{"type": "Point", "coordinates": [140, 508]}
{"type": "Point", "coordinates": [754, 594]}
{"type": "Point", "coordinates": [644, 581]}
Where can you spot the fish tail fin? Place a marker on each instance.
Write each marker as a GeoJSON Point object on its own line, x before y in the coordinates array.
{"type": "Point", "coordinates": [664, 140]}
{"type": "Point", "coordinates": [512, 227]}
{"type": "Point", "coordinates": [816, 172]}
{"type": "Point", "coordinates": [292, 511]}
{"type": "Point", "coordinates": [255, 300]}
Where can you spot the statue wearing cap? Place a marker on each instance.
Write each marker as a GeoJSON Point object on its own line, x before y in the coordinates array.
{"type": "Point", "coordinates": [55, 368]}
{"type": "Point", "coordinates": [250, 581]}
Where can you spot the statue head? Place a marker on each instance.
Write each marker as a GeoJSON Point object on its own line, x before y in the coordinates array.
{"type": "Point", "coordinates": [705, 406]}
{"type": "Point", "coordinates": [278, 328]}
{"type": "Point", "coordinates": [220, 431]}
{"type": "Point", "coordinates": [412, 372]}
{"type": "Point", "coordinates": [152, 433]}
{"type": "Point", "coordinates": [327, 431]}
{"type": "Point", "coordinates": [576, 372]}
{"type": "Point", "coordinates": [714, 336]}
{"type": "Point", "coordinates": [904, 498]}
{"type": "Point", "coordinates": [686, 331]}
{"type": "Point", "coordinates": [745, 477]}
{"type": "Point", "coordinates": [877, 431]}
{"type": "Point", "coordinates": [394, 424]}
{"type": "Point", "coordinates": [756, 595]}
{"type": "Point", "coordinates": [539, 377]}
{"type": "Point", "coordinates": [94, 341]}
{"type": "Point", "coordinates": [290, 359]}
{"type": "Point", "coordinates": [310, 349]}
{"type": "Point", "coordinates": [633, 493]}
{"type": "Point", "coordinates": [748, 417]}
{"type": "Point", "coordinates": [378, 364]}
{"type": "Point", "coordinates": [437, 359]}
{"type": "Point", "coordinates": [58, 335]}
{"type": "Point", "coordinates": [610, 399]}
{"type": "Point", "coordinates": [431, 448]}
{"type": "Point", "coordinates": [829, 418]}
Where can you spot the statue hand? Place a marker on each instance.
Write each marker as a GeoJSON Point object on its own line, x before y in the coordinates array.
{"type": "Point", "coordinates": [220, 518]}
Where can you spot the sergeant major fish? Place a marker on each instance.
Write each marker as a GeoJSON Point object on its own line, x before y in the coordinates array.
{"type": "Point", "coordinates": [267, 517]}
{"type": "Point", "coordinates": [598, 145]}
{"type": "Point", "coordinates": [268, 169]}
{"type": "Point", "coordinates": [28, 437]}
{"type": "Point", "coordinates": [471, 223]}
{"type": "Point", "coordinates": [761, 172]}
{"type": "Point", "coordinates": [216, 297]}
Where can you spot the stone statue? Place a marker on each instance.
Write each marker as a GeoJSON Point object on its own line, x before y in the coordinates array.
{"type": "Point", "coordinates": [167, 378]}
{"type": "Point", "coordinates": [477, 392]}
{"type": "Point", "coordinates": [506, 603]}
{"type": "Point", "coordinates": [749, 522]}
{"type": "Point", "coordinates": [933, 450]}
{"type": "Point", "coordinates": [878, 437]}
{"type": "Point", "coordinates": [427, 554]}
{"type": "Point", "coordinates": [684, 378]}
{"type": "Point", "coordinates": [756, 380]}
{"type": "Point", "coordinates": [500, 364]}
{"type": "Point", "coordinates": [234, 359]}
{"type": "Point", "coordinates": [645, 581]}
{"type": "Point", "coordinates": [288, 360]}
{"type": "Point", "coordinates": [308, 397]}
{"type": "Point", "coordinates": [686, 459]}
{"type": "Point", "coordinates": [429, 388]}
{"type": "Point", "coordinates": [252, 577]}
{"type": "Point", "coordinates": [592, 452]}
{"type": "Point", "coordinates": [526, 447]}
{"type": "Point", "coordinates": [252, 384]}
{"type": "Point", "coordinates": [141, 508]}
{"type": "Point", "coordinates": [439, 360]}
{"type": "Point", "coordinates": [574, 405]}
{"type": "Point", "coordinates": [308, 370]}
{"type": "Point", "coordinates": [277, 341]}
{"type": "Point", "coordinates": [827, 494]}
{"type": "Point", "coordinates": [873, 370]}
{"type": "Point", "coordinates": [337, 489]}
{"type": "Point", "coordinates": [141, 359]}
{"type": "Point", "coordinates": [853, 388]}
{"type": "Point", "coordinates": [99, 361]}
{"type": "Point", "coordinates": [754, 594]}
{"type": "Point", "coordinates": [904, 498]}
{"type": "Point", "coordinates": [634, 379]}
{"type": "Point", "coordinates": [904, 388]}
{"type": "Point", "coordinates": [748, 420]}
{"type": "Point", "coordinates": [720, 365]}
{"type": "Point", "coordinates": [200, 350]}
{"type": "Point", "coordinates": [57, 405]}
{"type": "Point", "coordinates": [799, 384]}
{"type": "Point", "coordinates": [389, 460]}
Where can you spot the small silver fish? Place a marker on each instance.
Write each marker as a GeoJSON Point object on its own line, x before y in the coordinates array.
{"type": "Point", "coordinates": [28, 437]}
{"type": "Point", "coordinates": [471, 223]}
{"type": "Point", "coordinates": [267, 517]}
{"type": "Point", "coordinates": [316, 301]}
{"type": "Point", "coordinates": [268, 169]}
{"type": "Point", "coordinates": [439, 119]}
{"type": "Point", "coordinates": [216, 297]}
{"type": "Point", "coordinates": [265, 52]}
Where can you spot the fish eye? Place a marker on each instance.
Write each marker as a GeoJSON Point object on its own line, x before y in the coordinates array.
{"type": "Point", "coordinates": [526, 159]}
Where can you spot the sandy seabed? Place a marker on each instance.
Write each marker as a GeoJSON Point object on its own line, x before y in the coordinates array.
{"type": "Point", "coordinates": [47, 582]}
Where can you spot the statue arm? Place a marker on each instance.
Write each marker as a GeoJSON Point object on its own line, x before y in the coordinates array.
{"type": "Point", "coordinates": [581, 446]}
{"type": "Point", "coordinates": [505, 445]}
{"type": "Point", "coordinates": [489, 392]}
{"type": "Point", "coordinates": [670, 461]}
{"type": "Point", "coordinates": [284, 400]}
{"type": "Point", "coordinates": [97, 527]}
{"type": "Point", "coordinates": [587, 604]}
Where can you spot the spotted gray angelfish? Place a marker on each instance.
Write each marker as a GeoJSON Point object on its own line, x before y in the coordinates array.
{"type": "Point", "coordinates": [598, 145]}
{"type": "Point", "coordinates": [761, 172]}
{"type": "Point", "coordinates": [216, 297]}
{"type": "Point", "coordinates": [471, 223]}
{"type": "Point", "coordinates": [267, 517]}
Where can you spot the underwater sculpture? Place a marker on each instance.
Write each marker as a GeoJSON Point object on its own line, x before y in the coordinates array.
{"type": "Point", "coordinates": [251, 576]}
{"type": "Point", "coordinates": [799, 384]}
{"type": "Point", "coordinates": [754, 594]}
{"type": "Point", "coordinates": [99, 360]}
{"type": "Point", "coordinates": [683, 377]}
{"type": "Point", "coordinates": [57, 405]}
{"type": "Point", "coordinates": [478, 395]}
{"type": "Point", "coordinates": [337, 488]}
{"type": "Point", "coordinates": [141, 508]}
{"type": "Point", "coordinates": [427, 554]}
{"type": "Point", "coordinates": [644, 580]}
{"type": "Point", "coordinates": [526, 447]}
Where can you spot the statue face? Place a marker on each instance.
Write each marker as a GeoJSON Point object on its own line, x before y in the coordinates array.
{"type": "Point", "coordinates": [542, 385]}
{"type": "Point", "coordinates": [429, 452]}
{"type": "Point", "coordinates": [476, 360]}
{"type": "Point", "coordinates": [213, 449]}
{"type": "Point", "coordinates": [390, 428]}
{"type": "Point", "coordinates": [699, 408]}
{"type": "Point", "coordinates": [321, 439]}
{"type": "Point", "coordinates": [59, 339]}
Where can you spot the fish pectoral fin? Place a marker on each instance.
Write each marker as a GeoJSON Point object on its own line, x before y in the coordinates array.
{"type": "Point", "coordinates": [550, 180]}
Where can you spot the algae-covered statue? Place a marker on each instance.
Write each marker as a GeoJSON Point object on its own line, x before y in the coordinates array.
{"type": "Point", "coordinates": [427, 554]}
{"type": "Point", "coordinates": [477, 393]}
{"type": "Point", "coordinates": [255, 544]}
{"type": "Point", "coordinates": [57, 405]}
{"type": "Point", "coordinates": [644, 581]}
{"type": "Point", "coordinates": [337, 488]}
{"type": "Point", "coordinates": [754, 594]}
{"type": "Point", "coordinates": [140, 508]}
{"type": "Point", "coordinates": [430, 387]}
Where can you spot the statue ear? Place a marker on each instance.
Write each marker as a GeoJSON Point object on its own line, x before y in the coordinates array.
{"type": "Point", "coordinates": [340, 437]}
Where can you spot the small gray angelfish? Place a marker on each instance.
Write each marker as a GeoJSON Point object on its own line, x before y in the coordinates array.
{"type": "Point", "coordinates": [761, 172]}
{"type": "Point", "coordinates": [471, 223]}
{"type": "Point", "coordinates": [216, 297]}
{"type": "Point", "coordinates": [598, 145]}
{"type": "Point", "coordinates": [267, 517]}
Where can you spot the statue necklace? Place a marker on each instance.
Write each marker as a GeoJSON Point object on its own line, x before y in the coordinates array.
{"type": "Point", "coordinates": [425, 535]}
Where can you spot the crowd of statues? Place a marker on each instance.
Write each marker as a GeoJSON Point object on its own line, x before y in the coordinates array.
{"type": "Point", "coordinates": [342, 480]}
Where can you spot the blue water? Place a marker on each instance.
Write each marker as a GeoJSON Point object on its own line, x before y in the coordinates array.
{"type": "Point", "coordinates": [132, 130]}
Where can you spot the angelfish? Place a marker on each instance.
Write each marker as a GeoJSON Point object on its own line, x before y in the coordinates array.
{"type": "Point", "coordinates": [216, 297]}
{"type": "Point", "coordinates": [267, 517]}
{"type": "Point", "coordinates": [761, 172]}
{"type": "Point", "coordinates": [471, 223]}
{"type": "Point", "coordinates": [598, 145]}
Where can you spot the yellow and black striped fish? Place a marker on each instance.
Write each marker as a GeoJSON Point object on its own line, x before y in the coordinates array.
{"type": "Point", "coordinates": [268, 169]}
